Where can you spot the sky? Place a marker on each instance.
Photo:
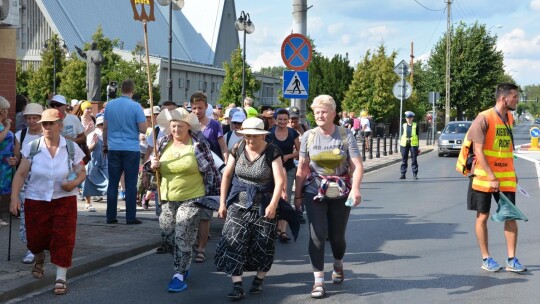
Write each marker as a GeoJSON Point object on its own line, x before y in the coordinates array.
{"type": "Point", "coordinates": [356, 26]}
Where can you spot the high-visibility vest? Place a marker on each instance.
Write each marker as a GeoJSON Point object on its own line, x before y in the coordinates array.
{"type": "Point", "coordinates": [498, 150]}
{"type": "Point", "coordinates": [414, 136]}
{"type": "Point", "coordinates": [466, 152]}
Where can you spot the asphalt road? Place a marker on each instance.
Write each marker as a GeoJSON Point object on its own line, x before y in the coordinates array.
{"type": "Point", "coordinates": [409, 242]}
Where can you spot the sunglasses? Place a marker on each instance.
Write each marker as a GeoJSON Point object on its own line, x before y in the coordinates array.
{"type": "Point", "coordinates": [56, 104]}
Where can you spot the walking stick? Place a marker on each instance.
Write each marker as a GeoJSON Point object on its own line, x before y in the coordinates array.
{"type": "Point", "coordinates": [144, 17]}
{"type": "Point", "coordinates": [9, 239]}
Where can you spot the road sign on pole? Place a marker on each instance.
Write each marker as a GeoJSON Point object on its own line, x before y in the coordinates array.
{"type": "Point", "coordinates": [402, 69]}
{"type": "Point", "coordinates": [295, 84]}
{"type": "Point", "coordinates": [399, 92]}
{"type": "Point", "coordinates": [296, 52]}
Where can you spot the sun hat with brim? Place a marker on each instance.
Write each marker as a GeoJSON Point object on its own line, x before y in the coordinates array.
{"type": "Point", "coordinates": [59, 98]}
{"type": "Point", "coordinates": [33, 109]}
{"type": "Point", "coordinates": [179, 114]}
{"type": "Point", "coordinates": [253, 126]}
{"type": "Point", "coordinates": [51, 115]}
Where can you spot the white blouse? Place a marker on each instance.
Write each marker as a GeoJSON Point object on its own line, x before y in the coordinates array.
{"type": "Point", "coordinates": [48, 173]}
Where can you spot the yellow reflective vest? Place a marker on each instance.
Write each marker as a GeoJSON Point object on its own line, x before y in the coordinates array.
{"type": "Point", "coordinates": [414, 136]}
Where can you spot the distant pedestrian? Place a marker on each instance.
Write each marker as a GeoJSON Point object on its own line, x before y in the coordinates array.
{"type": "Point", "coordinates": [124, 120]}
{"type": "Point", "coordinates": [409, 143]}
{"type": "Point", "coordinates": [365, 126]}
{"type": "Point", "coordinates": [294, 121]}
{"type": "Point", "coordinates": [50, 196]}
{"type": "Point", "coordinates": [494, 172]}
{"type": "Point", "coordinates": [329, 173]}
{"type": "Point", "coordinates": [97, 176]}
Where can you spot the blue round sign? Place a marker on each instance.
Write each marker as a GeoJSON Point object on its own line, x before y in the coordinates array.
{"type": "Point", "coordinates": [535, 132]}
{"type": "Point", "coordinates": [296, 52]}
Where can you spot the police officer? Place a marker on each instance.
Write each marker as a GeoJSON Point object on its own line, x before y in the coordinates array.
{"type": "Point", "coordinates": [409, 142]}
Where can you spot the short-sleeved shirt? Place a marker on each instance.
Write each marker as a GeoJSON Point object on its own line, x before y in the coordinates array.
{"type": "Point", "coordinates": [327, 154]}
{"type": "Point", "coordinates": [27, 137]}
{"type": "Point", "coordinates": [478, 130]}
{"type": "Point", "coordinates": [72, 126]}
{"type": "Point", "coordinates": [48, 173]}
{"type": "Point", "coordinates": [365, 124]}
{"type": "Point", "coordinates": [213, 132]}
{"type": "Point", "coordinates": [232, 139]}
{"type": "Point", "coordinates": [286, 146]}
{"type": "Point", "coordinates": [181, 178]}
{"type": "Point", "coordinates": [123, 116]}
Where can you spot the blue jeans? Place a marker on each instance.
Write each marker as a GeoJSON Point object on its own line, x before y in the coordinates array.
{"type": "Point", "coordinates": [126, 162]}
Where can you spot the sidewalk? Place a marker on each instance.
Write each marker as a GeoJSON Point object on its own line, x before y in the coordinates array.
{"type": "Point", "coordinates": [99, 244]}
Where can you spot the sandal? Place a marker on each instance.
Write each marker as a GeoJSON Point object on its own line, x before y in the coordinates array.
{"type": "Point", "coordinates": [318, 291]}
{"type": "Point", "coordinates": [200, 257]}
{"type": "Point", "coordinates": [284, 237]}
{"type": "Point", "coordinates": [37, 267]}
{"type": "Point", "coordinates": [60, 287]}
{"type": "Point", "coordinates": [237, 293]}
{"type": "Point", "coordinates": [337, 275]}
{"type": "Point", "coordinates": [256, 286]}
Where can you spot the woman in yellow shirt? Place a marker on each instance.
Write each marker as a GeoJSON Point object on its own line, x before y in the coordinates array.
{"type": "Point", "coordinates": [183, 156]}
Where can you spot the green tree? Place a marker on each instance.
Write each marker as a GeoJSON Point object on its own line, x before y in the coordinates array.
{"type": "Point", "coordinates": [73, 78]}
{"type": "Point", "coordinates": [276, 72]}
{"type": "Point", "coordinates": [23, 78]}
{"type": "Point", "coordinates": [231, 90]}
{"type": "Point", "coordinates": [40, 85]}
{"type": "Point", "coordinates": [476, 68]}
{"type": "Point", "coordinates": [371, 87]}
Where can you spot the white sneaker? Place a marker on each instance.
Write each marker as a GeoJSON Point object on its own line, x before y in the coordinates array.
{"type": "Point", "coordinates": [2, 223]}
{"type": "Point", "coordinates": [90, 208]}
{"type": "Point", "coordinates": [29, 258]}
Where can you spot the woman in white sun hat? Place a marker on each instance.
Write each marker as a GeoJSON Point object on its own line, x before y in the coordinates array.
{"type": "Point", "coordinates": [32, 114]}
{"type": "Point", "coordinates": [247, 243]}
{"type": "Point", "coordinates": [187, 175]}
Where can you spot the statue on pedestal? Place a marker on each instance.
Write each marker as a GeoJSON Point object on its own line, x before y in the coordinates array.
{"type": "Point", "coordinates": [93, 71]}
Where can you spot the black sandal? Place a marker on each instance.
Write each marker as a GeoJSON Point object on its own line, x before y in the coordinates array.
{"type": "Point", "coordinates": [256, 286]}
{"type": "Point", "coordinates": [237, 293]}
{"type": "Point", "coordinates": [284, 237]}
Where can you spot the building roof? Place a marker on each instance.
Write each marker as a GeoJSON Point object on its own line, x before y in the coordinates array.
{"type": "Point", "coordinates": [77, 21]}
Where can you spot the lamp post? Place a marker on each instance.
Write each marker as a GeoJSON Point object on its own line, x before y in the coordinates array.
{"type": "Point", "coordinates": [55, 43]}
{"type": "Point", "coordinates": [244, 24]}
{"type": "Point", "coordinates": [173, 5]}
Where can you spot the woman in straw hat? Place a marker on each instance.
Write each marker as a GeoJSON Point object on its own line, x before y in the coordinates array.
{"type": "Point", "coordinates": [187, 172]}
{"type": "Point", "coordinates": [247, 242]}
{"type": "Point", "coordinates": [32, 114]}
{"type": "Point", "coordinates": [50, 196]}
{"type": "Point", "coordinates": [328, 184]}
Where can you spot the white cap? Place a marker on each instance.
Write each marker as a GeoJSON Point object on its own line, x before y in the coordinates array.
{"type": "Point", "coordinates": [147, 112]}
{"type": "Point", "coordinates": [99, 120]}
{"type": "Point", "coordinates": [74, 102]}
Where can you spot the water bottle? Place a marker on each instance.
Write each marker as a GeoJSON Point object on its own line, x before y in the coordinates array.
{"type": "Point", "coordinates": [349, 202]}
{"type": "Point", "coordinates": [72, 175]}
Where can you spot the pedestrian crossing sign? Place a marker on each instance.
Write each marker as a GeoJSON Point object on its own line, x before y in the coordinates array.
{"type": "Point", "coordinates": [295, 84]}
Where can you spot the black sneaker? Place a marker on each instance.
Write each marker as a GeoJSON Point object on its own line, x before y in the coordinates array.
{"type": "Point", "coordinates": [402, 176]}
{"type": "Point", "coordinates": [163, 248]}
{"type": "Point", "coordinates": [134, 222]}
{"type": "Point", "coordinates": [113, 221]}
{"type": "Point", "coordinates": [256, 286]}
{"type": "Point", "coordinates": [237, 293]}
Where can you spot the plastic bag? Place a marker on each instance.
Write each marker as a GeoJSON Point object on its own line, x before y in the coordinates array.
{"type": "Point", "coordinates": [507, 211]}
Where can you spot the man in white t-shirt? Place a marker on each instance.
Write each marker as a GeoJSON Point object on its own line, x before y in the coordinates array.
{"type": "Point", "coordinates": [73, 128]}
{"type": "Point", "coordinates": [232, 137]}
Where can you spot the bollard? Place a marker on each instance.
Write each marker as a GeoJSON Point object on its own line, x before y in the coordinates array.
{"type": "Point", "coordinates": [378, 153]}
{"type": "Point", "coordinates": [370, 147]}
{"type": "Point", "coordinates": [390, 145]}
{"type": "Point", "coordinates": [363, 141]}
{"type": "Point", "coordinates": [384, 145]}
{"type": "Point", "coordinates": [396, 143]}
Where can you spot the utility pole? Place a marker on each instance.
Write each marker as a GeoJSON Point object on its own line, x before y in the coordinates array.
{"type": "Point", "coordinates": [300, 27]}
{"type": "Point", "coordinates": [448, 41]}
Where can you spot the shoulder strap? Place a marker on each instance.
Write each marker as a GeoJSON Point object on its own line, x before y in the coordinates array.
{"type": "Point", "coordinates": [71, 153]}
{"type": "Point", "coordinates": [23, 135]}
{"type": "Point", "coordinates": [270, 154]}
{"type": "Point", "coordinates": [34, 148]}
{"type": "Point", "coordinates": [344, 138]}
{"type": "Point", "coordinates": [310, 139]}
{"type": "Point", "coordinates": [229, 134]}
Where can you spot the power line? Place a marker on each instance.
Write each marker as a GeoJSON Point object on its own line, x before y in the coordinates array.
{"type": "Point", "coordinates": [429, 9]}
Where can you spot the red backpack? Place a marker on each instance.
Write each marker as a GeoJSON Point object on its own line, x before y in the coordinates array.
{"type": "Point", "coordinates": [356, 124]}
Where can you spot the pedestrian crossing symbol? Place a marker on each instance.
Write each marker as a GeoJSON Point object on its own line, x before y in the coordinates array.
{"type": "Point", "coordinates": [295, 84]}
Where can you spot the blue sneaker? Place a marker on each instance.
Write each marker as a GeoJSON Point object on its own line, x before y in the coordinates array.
{"type": "Point", "coordinates": [490, 265]}
{"type": "Point", "coordinates": [122, 195]}
{"type": "Point", "coordinates": [176, 285]}
{"type": "Point", "coordinates": [515, 266]}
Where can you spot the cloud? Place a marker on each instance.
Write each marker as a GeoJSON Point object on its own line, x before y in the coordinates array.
{"type": "Point", "coordinates": [267, 59]}
{"type": "Point", "coordinates": [535, 5]}
{"type": "Point", "coordinates": [335, 28]}
{"type": "Point", "coordinates": [523, 70]}
{"type": "Point", "coordinates": [516, 44]}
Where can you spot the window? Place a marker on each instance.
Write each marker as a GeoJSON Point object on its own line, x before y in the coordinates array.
{"type": "Point", "coordinates": [180, 82]}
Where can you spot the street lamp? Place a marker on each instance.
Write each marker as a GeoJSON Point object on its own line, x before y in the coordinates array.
{"type": "Point", "coordinates": [173, 5]}
{"type": "Point", "coordinates": [244, 24]}
{"type": "Point", "coordinates": [55, 43]}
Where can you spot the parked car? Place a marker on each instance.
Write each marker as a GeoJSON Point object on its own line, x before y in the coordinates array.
{"type": "Point", "coordinates": [452, 136]}
{"type": "Point", "coordinates": [537, 121]}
